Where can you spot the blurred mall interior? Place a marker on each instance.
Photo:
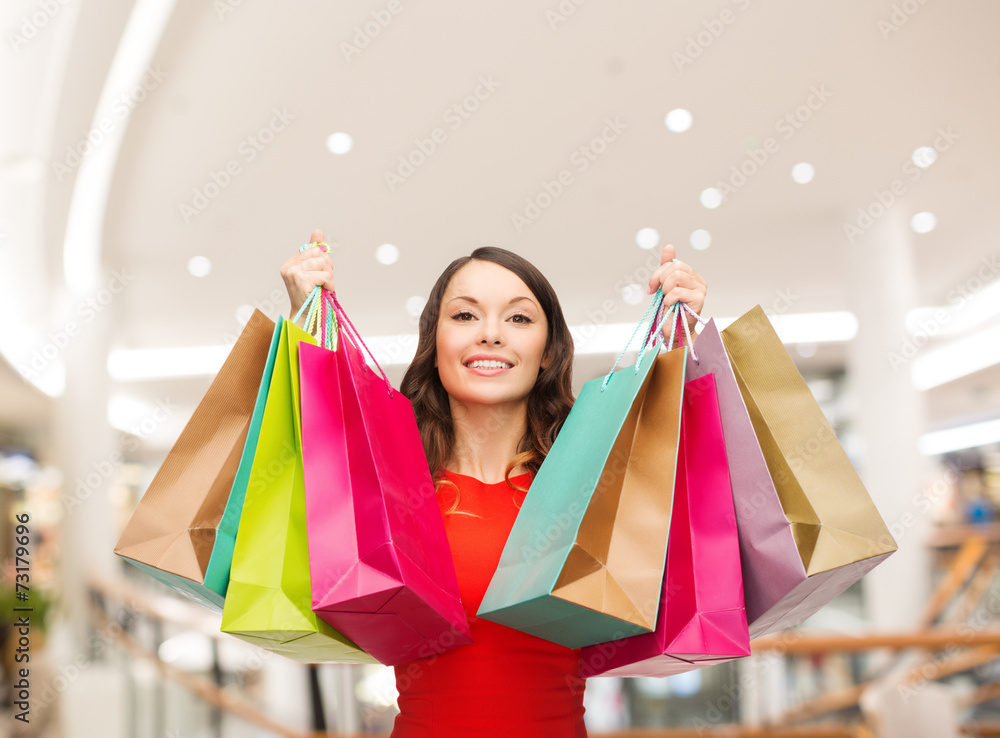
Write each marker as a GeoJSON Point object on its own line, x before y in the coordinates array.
{"type": "Point", "coordinates": [832, 163]}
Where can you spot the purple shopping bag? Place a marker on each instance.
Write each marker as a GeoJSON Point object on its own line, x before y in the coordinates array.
{"type": "Point", "coordinates": [807, 527]}
{"type": "Point", "coordinates": [771, 564]}
{"type": "Point", "coordinates": [382, 571]}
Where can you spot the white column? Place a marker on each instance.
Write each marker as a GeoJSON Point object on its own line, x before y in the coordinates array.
{"type": "Point", "coordinates": [889, 414]}
{"type": "Point", "coordinates": [87, 454]}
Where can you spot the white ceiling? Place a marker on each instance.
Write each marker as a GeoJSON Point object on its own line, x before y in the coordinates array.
{"type": "Point", "coordinates": [556, 87]}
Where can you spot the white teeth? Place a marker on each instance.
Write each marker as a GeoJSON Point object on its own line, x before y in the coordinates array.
{"type": "Point", "coordinates": [488, 365]}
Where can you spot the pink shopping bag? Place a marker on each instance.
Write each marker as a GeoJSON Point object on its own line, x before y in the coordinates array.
{"type": "Point", "coordinates": [701, 618]}
{"type": "Point", "coordinates": [382, 571]}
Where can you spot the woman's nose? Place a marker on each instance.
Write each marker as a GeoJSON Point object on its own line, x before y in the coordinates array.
{"type": "Point", "coordinates": [490, 333]}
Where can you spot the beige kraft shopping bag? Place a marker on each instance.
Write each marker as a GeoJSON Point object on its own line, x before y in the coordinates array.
{"type": "Point", "coordinates": [838, 532]}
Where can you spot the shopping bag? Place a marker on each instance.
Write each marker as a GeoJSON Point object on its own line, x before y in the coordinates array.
{"type": "Point", "coordinates": [585, 558]}
{"type": "Point", "coordinates": [771, 564]}
{"type": "Point", "coordinates": [269, 601]}
{"type": "Point", "coordinates": [181, 531]}
{"type": "Point", "coordinates": [221, 562]}
{"type": "Point", "coordinates": [838, 533]}
{"type": "Point", "coordinates": [701, 620]}
{"type": "Point", "coordinates": [382, 569]}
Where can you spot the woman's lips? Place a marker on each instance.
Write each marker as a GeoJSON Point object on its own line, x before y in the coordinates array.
{"type": "Point", "coordinates": [488, 372]}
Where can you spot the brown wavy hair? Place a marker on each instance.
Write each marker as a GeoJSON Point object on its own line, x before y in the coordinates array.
{"type": "Point", "coordinates": [549, 401]}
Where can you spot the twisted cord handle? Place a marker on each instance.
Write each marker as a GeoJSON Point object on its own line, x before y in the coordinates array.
{"type": "Point", "coordinates": [657, 304]}
{"type": "Point", "coordinates": [353, 333]}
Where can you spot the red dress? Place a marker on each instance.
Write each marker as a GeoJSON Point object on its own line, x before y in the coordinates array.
{"type": "Point", "coordinates": [506, 684]}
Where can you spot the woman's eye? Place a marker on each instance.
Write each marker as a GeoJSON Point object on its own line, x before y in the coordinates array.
{"type": "Point", "coordinates": [458, 316]}
{"type": "Point", "coordinates": [524, 318]}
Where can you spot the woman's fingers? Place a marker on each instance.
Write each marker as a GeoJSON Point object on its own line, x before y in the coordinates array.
{"type": "Point", "coordinates": [306, 269]}
{"type": "Point", "coordinates": [671, 273]}
{"type": "Point", "coordinates": [680, 283]}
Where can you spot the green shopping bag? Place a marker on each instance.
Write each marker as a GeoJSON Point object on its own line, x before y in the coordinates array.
{"type": "Point", "coordinates": [269, 601]}
{"type": "Point", "coordinates": [221, 561]}
{"type": "Point", "coordinates": [584, 561]}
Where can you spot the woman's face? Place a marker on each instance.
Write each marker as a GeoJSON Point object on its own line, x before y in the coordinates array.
{"type": "Point", "coordinates": [489, 314]}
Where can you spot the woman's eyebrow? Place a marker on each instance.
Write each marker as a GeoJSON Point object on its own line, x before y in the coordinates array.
{"type": "Point", "coordinates": [474, 301]}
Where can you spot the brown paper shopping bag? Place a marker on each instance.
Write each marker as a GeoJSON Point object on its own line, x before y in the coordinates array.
{"type": "Point", "coordinates": [838, 533]}
{"type": "Point", "coordinates": [172, 534]}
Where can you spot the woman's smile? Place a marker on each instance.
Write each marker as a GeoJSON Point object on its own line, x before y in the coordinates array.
{"type": "Point", "coordinates": [488, 366]}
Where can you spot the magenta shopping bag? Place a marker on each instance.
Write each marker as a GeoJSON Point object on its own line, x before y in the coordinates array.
{"type": "Point", "coordinates": [701, 618]}
{"type": "Point", "coordinates": [382, 571]}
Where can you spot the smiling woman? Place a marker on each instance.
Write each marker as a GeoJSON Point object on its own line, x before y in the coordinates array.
{"type": "Point", "coordinates": [490, 423]}
{"type": "Point", "coordinates": [490, 386]}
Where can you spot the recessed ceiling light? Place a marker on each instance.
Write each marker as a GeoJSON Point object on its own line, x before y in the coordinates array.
{"type": "Point", "coordinates": [199, 266]}
{"type": "Point", "coordinates": [678, 120]}
{"type": "Point", "coordinates": [711, 198]}
{"type": "Point", "coordinates": [923, 222]}
{"type": "Point", "coordinates": [647, 238]}
{"type": "Point", "coordinates": [415, 305]}
{"type": "Point", "coordinates": [806, 349]}
{"type": "Point", "coordinates": [387, 253]}
{"type": "Point", "coordinates": [700, 239]}
{"type": "Point", "coordinates": [924, 156]}
{"type": "Point", "coordinates": [803, 173]}
{"type": "Point", "coordinates": [633, 294]}
{"type": "Point", "coordinates": [339, 143]}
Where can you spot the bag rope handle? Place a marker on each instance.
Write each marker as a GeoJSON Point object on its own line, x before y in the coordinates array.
{"type": "Point", "coordinates": [687, 329]}
{"type": "Point", "coordinates": [320, 322]}
{"type": "Point", "coordinates": [353, 333]}
{"type": "Point", "coordinates": [656, 303]}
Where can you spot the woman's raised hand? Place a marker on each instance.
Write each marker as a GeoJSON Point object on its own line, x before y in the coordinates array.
{"type": "Point", "coordinates": [306, 269]}
{"type": "Point", "coordinates": [680, 283]}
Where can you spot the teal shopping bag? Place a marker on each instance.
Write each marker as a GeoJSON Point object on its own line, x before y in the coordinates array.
{"type": "Point", "coordinates": [584, 561]}
{"type": "Point", "coordinates": [183, 529]}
